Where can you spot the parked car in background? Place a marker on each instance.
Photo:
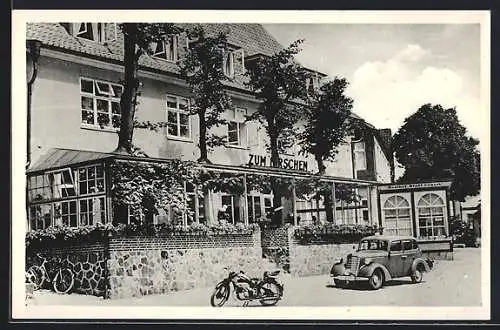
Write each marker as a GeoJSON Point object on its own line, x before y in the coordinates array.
{"type": "Point", "coordinates": [378, 259]}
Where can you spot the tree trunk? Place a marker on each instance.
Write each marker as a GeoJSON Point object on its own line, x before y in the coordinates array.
{"type": "Point", "coordinates": [129, 97]}
{"type": "Point", "coordinates": [203, 138]}
{"type": "Point", "coordinates": [326, 194]}
{"type": "Point", "coordinates": [275, 186]}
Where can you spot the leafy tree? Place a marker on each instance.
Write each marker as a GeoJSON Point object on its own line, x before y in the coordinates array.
{"type": "Point", "coordinates": [138, 38]}
{"type": "Point", "coordinates": [432, 144]}
{"type": "Point", "coordinates": [278, 82]}
{"type": "Point", "coordinates": [202, 69]}
{"type": "Point", "coordinates": [327, 125]}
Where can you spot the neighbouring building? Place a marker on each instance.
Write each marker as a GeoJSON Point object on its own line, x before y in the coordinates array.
{"type": "Point", "coordinates": [75, 114]}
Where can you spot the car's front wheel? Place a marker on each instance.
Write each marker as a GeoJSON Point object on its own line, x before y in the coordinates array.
{"type": "Point", "coordinates": [376, 280]}
{"type": "Point", "coordinates": [417, 276]}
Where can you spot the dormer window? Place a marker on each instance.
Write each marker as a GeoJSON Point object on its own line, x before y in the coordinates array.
{"type": "Point", "coordinates": [98, 32]}
{"type": "Point", "coordinates": [166, 49]}
{"type": "Point", "coordinates": [233, 61]}
{"type": "Point", "coordinates": [312, 84]}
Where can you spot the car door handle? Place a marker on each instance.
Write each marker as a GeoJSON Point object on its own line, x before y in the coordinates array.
{"type": "Point", "coordinates": [404, 257]}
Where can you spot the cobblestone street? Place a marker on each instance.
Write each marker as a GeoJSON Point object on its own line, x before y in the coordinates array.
{"type": "Point", "coordinates": [450, 283]}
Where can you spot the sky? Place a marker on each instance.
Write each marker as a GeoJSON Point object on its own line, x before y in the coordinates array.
{"type": "Point", "coordinates": [393, 69]}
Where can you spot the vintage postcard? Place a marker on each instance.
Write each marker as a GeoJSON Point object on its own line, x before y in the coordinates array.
{"type": "Point", "coordinates": [287, 165]}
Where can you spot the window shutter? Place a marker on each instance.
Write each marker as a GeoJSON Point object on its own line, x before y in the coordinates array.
{"type": "Point", "coordinates": [95, 31]}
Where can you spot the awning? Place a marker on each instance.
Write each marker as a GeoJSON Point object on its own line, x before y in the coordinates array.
{"type": "Point", "coordinates": [59, 158]}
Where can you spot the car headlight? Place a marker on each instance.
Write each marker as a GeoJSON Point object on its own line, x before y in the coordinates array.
{"type": "Point", "coordinates": [339, 260]}
{"type": "Point", "coordinates": [368, 261]}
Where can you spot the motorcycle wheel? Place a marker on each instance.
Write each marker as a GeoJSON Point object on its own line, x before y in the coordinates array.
{"type": "Point", "coordinates": [220, 295]}
{"type": "Point", "coordinates": [276, 292]}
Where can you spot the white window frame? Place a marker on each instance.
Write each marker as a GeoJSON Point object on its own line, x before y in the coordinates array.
{"type": "Point", "coordinates": [178, 112]}
{"type": "Point", "coordinates": [110, 98]}
{"type": "Point", "coordinates": [358, 153]}
{"type": "Point", "coordinates": [172, 42]}
{"type": "Point", "coordinates": [397, 219]}
{"type": "Point", "coordinates": [431, 215]}
{"type": "Point", "coordinates": [228, 55]}
{"type": "Point", "coordinates": [98, 29]}
{"type": "Point", "coordinates": [241, 129]}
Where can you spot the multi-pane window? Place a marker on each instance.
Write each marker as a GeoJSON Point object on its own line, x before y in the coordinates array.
{"type": "Point", "coordinates": [397, 216]}
{"type": "Point", "coordinates": [100, 103]}
{"type": "Point", "coordinates": [166, 49]}
{"type": "Point", "coordinates": [40, 216]}
{"type": "Point", "coordinates": [90, 180]}
{"type": "Point", "coordinates": [99, 32]}
{"type": "Point", "coordinates": [236, 128]}
{"type": "Point", "coordinates": [56, 197]}
{"type": "Point", "coordinates": [178, 123]}
{"type": "Point", "coordinates": [92, 211]}
{"type": "Point", "coordinates": [65, 213]}
{"type": "Point", "coordinates": [359, 156]}
{"type": "Point", "coordinates": [431, 216]}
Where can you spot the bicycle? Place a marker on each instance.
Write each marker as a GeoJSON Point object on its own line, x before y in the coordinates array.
{"type": "Point", "coordinates": [62, 280]}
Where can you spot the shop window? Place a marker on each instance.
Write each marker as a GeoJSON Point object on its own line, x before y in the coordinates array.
{"type": "Point", "coordinates": [100, 104]}
{"type": "Point", "coordinates": [237, 128]}
{"type": "Point", "coordinates": [359, 156]}
{"type": "Point", "coordinates": [178, 123]}
{"type": "Point", "coordinates": [166, 49]}
{"type": "Point", "coordinates": [431, 216]}
{"type": "Point", "coordinates": [397, 216]}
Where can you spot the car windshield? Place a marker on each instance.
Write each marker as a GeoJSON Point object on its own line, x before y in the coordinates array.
{"type": "Point", "coordinates": [373, 244]}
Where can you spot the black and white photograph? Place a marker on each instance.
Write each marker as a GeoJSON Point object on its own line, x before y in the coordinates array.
{"type": "Point", "coordinates": [251, 165]}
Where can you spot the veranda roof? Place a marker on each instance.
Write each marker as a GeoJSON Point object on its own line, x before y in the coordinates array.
{"type": "Point", "coordinates": [58, 158]}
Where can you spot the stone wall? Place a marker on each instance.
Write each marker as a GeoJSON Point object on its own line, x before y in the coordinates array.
{"type": "Point", "coordinates": [275, 246]}
{"type": "Point", "coordinates": [150, 265]}
{"type": "Point", "coordinates": [86, 260]}
{"type": "Point", "coordinates": [315, 259]}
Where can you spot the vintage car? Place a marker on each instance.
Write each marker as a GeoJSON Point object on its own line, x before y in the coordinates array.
{"type": "Point", "coordinates": [378, 259]}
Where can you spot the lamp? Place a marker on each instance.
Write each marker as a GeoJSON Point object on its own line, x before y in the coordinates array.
{"type": "Point", "coordinates": [32, 55]}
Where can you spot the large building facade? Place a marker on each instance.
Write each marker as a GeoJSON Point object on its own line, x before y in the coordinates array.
{"type": "Point", "coordinates": [75, 112]}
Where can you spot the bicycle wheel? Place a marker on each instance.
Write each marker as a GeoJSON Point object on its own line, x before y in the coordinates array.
{"type": "Point", "coordinates": [63, 281]}
{"type": "Point", "coordinates": [35, 276]}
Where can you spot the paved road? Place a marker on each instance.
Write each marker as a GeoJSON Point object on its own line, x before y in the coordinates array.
{"type": "Point", "coordinates": [450, 283]}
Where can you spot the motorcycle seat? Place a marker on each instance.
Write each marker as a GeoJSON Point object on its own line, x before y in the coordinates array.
{"type": "Point", "coordinates": [272, 273]}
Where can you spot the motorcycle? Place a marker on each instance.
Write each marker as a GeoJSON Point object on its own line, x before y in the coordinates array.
{"type": "Point", "coordinates": [268, 290]}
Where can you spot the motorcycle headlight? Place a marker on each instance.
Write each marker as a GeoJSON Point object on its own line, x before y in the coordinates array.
{"type": "Point", "coordinates": [339, 260]}
{"type": "Point", "coordinates": [368, 261]}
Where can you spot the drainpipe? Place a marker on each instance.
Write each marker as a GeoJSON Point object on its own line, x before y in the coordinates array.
{"type": "Point", "coordinates": [33, 54]}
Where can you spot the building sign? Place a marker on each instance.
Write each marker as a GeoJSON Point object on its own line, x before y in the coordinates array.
{"type": "Point", "coordinates": [284, 163]}
{"type": "Point", "coordinates": [416, 186]}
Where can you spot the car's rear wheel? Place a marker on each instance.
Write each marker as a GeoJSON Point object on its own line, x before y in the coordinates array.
{"type": "Point", "coordinates": [417, 275]}
{"type": "Point", "coordinates": [376, 280]}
